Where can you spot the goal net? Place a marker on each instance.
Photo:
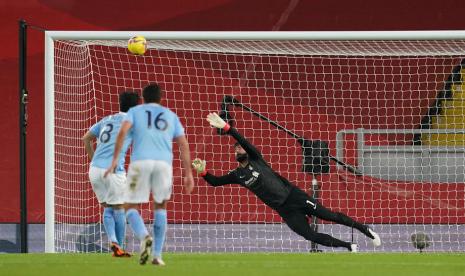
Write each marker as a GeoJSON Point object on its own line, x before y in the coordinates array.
{"type": "Point", "coordinates": [393, 109]}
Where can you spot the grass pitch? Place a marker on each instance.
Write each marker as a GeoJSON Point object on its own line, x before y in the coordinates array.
{"type": "Point", "coordinates": [395, 264]}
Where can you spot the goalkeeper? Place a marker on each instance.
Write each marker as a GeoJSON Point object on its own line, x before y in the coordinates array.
{"type": "Point", "coordinates": [292, 204]}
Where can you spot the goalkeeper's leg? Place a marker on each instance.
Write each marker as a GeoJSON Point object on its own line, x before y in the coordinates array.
{"type": "Point", "coordinates": [298, 223]}
{"type": "Point", "coordinates": [324, 213]}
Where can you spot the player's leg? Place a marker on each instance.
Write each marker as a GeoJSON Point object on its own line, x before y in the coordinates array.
{"type": "Point", "coordinates": [120, 224]}
{"type": "Point", "coordinates": [138, 191]}
{"type": "Point", "coordinates": [109, 223]}
{"type": "Point", "coordinates": [136, 222]}
{"type": "Point", "coordinates": [112, 220]}
{"type": "Point", "coordinates": [316, 209]}
{"type": "Point", "coordinates": [159, 232]}
{"type": "Point", "coordinates": [298, 223]}
{"type": "Point", "coordinates": [119, 216]}
{"type": "Point", "coordinates": [137, 225]}
{"type": "Point", "coordinates": [100, 187]}
{"type": "Point", "coordinates": [161, 189]}
{"type": "Point", "coordinates": [116, 198]}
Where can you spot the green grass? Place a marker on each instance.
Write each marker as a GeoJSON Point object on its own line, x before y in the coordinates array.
{"type": "Point", "coordinates": [237, 264]}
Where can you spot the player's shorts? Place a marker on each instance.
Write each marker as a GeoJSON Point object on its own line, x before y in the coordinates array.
{"type": "Point", "coordinates": [299, 202]}
{"type": "Point", "coordinates": [145, 176]}
{"type": "Point", "coordinates": [111, 189]}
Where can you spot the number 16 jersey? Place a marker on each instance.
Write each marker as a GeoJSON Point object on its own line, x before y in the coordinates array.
{"type": "Point", "coordinates": [153, 129]}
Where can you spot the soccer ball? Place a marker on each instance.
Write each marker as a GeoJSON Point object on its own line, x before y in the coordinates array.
{"type": "Point", "coordinates": [137, 45]}
{"type": "Point", "coordinates": [420, 241]}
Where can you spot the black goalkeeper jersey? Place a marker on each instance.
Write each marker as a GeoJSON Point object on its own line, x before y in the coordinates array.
{"type": "Point", "coordinates": [257, 176]}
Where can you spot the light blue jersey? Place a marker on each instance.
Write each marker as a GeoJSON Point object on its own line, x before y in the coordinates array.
{"type": "Point", "coordinates": [153, 128]}
{"type": "Point", "coordinates": [106, 131]}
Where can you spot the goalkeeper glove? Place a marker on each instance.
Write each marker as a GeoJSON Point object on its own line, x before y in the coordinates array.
{"type": "Point", "coordinates": [216, 121]}
{"type": "Point", "coordinates": [199, 166]}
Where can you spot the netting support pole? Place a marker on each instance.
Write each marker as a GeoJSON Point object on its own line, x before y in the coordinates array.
{"type": "Point", "coordinates": [314, 224]}
{"type": "Point", "coordinates": [23, 95]}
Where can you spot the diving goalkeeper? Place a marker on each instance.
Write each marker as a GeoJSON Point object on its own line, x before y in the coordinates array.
{"type": "Point", "coordinates": [291, 203]}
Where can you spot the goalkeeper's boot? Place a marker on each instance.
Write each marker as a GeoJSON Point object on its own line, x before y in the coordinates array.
{"type": "Point", "coordinates": [372, 235]}
{"type": "Point", "coordinates": [354, 248]}
{"type": "Point", "coordinates": [145, 250]}
{"type": "Point", "coordinates": [118, 251]}
{"type": "Point", "coordinates": [158, 261]}
{"type": "Point", "coordinates": [376, 239]}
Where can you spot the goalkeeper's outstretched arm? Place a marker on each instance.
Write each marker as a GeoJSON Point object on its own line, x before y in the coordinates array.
{"type": "Point", "coordinates": [200, 166]}
{"type": "Point", "coordinates": [216, 181]}
{"type": "Point", "coordinates": [216, 121]}
{"type": "Point", "coordinates": [251, 150]}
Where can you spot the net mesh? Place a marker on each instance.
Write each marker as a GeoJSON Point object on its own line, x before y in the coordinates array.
{"type": "Point", "coordinates": [393, 109]}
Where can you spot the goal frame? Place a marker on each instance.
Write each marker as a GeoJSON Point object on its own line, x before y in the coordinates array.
{"type": "Point", "coordinates": [51, 36]}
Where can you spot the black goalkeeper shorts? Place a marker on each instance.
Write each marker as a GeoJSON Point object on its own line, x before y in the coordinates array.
{"type": "Point", "coordinates": [299, 202]}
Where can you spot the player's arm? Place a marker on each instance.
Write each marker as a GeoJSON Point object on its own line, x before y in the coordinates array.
{"type": "Point", "coordinates": [118, 146]}
{"type": "Point", "coordinates": [251, 150]}
{"type": "Point", "coordinates": [216, 121]}
{"type": "Point", "coordinates": [185, 162]}
{"type": "Point", "coordinates": [200, 166]}
{"type": "Point", "coordinates": [87, 140]}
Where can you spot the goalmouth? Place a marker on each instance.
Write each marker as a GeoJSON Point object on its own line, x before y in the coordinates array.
{"type": "Point", "coordinates": [390, 104]}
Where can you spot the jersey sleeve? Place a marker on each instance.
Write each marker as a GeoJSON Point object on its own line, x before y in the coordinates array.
{"type": "Point", "coordinates": [129, 116]}
{"type": "Point", "coordinates": [216, 181]}
{"type": "Point", "coordinates": [251, 150]}
{"type": "Point", "coordinates": [95, 129]}
{"type": "Point", "coordinates": [178, 128]}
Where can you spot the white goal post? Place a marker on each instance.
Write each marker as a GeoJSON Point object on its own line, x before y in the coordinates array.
{"type": "Point", "coordinates": [368, 94]}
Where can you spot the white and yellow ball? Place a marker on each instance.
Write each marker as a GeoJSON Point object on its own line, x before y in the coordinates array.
{"type": "Point", "coordinates": [137, 45]}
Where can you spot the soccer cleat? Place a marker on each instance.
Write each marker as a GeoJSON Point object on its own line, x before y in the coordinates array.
{"type": "Point", "coordinates": [376, 239]}
{"type": "Point", "coordinates": [354, 248]}
{"type": "Point", "coordinates": [118, 251]}
{"type": "Point", "coordinates": [145, 250]}
{"type": "Point", "coordinates": [158, 261]}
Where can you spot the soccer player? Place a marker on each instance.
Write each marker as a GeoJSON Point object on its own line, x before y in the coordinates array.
{"type": "Point", "coordinates": [291, 203]}
{"type": "Point", "coordinates": [110, 190]}
{"type": "Point", "coordinates": [154, 128]}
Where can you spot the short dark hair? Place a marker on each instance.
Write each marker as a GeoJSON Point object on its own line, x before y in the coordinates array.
{"type": "Point", "coordinates": [128, 99]}
{"type": "Point", "coordinates": [237, 144]}
{"type": "Point", "coordinates": [152, 93]}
